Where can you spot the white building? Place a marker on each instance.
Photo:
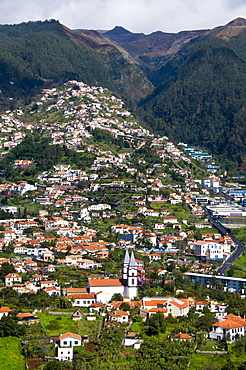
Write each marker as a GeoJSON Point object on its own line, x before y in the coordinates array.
{"type": "Point", "coordinates": [211, 250]}
{"type": "Point", "coordinates": [65, 346]}
{"type": "Point", "coordinates": [4, 311]}
{"type": "Point", "coordinates": [82, 299]}
{"type": "Point", "coordinates": [127, 286]}
{"type": "Point", "coordinates": [229, 329]}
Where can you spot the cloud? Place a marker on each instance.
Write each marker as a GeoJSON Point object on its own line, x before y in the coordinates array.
{"type": "Point", "coordinates": [136, 15]}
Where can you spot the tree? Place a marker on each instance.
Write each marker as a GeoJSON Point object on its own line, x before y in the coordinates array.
{"type": "Point", "coordinates": [156, 324]}
{"type": "Point", "coordinates": [6, 269]}
{"type": "Point", "coordinates": [10, 296]}
{"type": "Point", "coordinates": [54, 365]}
{"type": "Point", "coordinates": [64, 302]}
{"type": "Point", "coordinates": [117, 297]}
{"type": "Point", "coordinates": [85, 359]}
{"type": "Point", "coordinates": [9, 326]}
{"type": "Point", "coordinates": [125, 306]}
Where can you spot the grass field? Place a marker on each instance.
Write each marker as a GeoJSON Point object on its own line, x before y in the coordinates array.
{"type": "Point", "coordinates": [60, 324]}
{"type": "Point", "coordinates": [200, 361]}
{"type": "Point", "coordinates": [10, 354]}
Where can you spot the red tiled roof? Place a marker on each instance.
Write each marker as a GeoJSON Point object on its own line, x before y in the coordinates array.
{"type": "Point", "coordinates": [66, 335]}
{"type": "Point", "coordinates": [118, 313]}
{"type": "Point", "coordinates": [82, 296]}
{"type": "Point", "coordinates": [104, 282]}
{"type": "Point", "coordinates": [5, 309]}
{"type": "Point", "coordinates": [182, 336]}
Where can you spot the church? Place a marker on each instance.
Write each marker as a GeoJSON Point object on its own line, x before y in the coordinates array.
{"type": "Point", "coordinates": [127, 285]}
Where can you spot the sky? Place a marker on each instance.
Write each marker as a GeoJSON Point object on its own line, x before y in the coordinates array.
{"type": "Point", "coordinates": [135, 15]}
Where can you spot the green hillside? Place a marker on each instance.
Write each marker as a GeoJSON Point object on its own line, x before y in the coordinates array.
{"type": "Point", "coordinates": [203, 103]}
{"type": "Point", "coordinates": [10, 354]}
{"type": "Point", "coordinates": [37, 54]}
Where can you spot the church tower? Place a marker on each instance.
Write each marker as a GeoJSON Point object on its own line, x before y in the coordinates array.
{"type": "Point", "coordinates": [125, 267]}
{"type": "Point", "coordinates": [132, 278]}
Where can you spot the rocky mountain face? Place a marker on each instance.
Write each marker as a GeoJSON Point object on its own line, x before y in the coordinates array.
{"type": "Point", "coordinates": [154, 50]}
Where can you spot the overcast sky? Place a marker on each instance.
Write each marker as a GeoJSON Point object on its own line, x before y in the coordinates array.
{"type": "Point", "coordinates": [135, 15]}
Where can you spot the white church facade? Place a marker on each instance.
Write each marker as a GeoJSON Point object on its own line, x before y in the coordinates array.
{"type": "Point", "coordinates": [127, 285]}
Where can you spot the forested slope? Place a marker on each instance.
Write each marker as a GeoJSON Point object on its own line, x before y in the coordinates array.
{"type": "Point", "coordinates": [36, 54]}
{"type": "Point", "coordinates": [203, 103]}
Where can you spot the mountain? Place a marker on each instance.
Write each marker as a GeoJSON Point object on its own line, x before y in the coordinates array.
{"type": "Point", "coordinates": [189, 86]}
{"type": "Point", "coordinates": [202, 101]}
{"type": "Point", "coordinates": [154, 50]}
{"type": "Point", "coordinates": [37, 54]}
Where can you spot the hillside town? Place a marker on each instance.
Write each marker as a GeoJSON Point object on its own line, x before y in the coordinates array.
{"type": "Point", "coordinates": [123, 241]}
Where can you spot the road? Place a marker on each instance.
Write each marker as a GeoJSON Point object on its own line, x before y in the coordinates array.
{"type": "Point", "coordinates": [224, 231]}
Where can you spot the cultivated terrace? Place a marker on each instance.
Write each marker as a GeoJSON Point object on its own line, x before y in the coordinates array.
{"type": "Point", "coordinates": [99, 222]}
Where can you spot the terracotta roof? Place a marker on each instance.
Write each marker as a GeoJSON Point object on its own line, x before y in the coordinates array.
{"type": "Point", "coordinates": [235, 318]}
{"type": "Point", "coordinates": [154, 302]}
{"type": "Point", "coordinates": [158, 309]}
{"type": "Point", "coordinates": [12, 275]}
{"type": "Point", "coordinates": [229, 324]}
{"type": "Point", "coordinates": [97, 305]}
{"type": "Point", "coordinates": [132, 304]}
{"type": "Point", "coordinates": [118, 313]}
{"type": "Point", "coordinates": [66, 335]}
{"type": "Point", "coordinates": [179, 305]}
{"type": "Point", "coordinates": [104, 282]}
{"type": "Point", "coordinates": [182, 336]}
{"type": "Point", "coordinates": [26, 314]}
{"type": "Point", "coordinates": [5, 309]}
{"type": "Point", "coordinates": [76, 290]}
{"type": "Point", "coordinates": [82, 296]}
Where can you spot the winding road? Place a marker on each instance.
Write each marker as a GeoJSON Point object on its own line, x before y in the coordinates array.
{"type": "Point", "coordinates": [224, 231]}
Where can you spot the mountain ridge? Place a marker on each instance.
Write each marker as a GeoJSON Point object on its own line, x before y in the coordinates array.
{"type": "Point", "coordinates": [189, 86]}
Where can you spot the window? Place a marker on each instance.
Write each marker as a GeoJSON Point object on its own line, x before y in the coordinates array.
{"type": "Point", "coordinates": [76, 342]}
{"type": "Point", "coordinates": [132, 281]}
{"type": "Point", "coordinates": [65, 342]}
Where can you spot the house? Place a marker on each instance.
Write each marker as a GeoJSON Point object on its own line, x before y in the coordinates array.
{"type": "Point", "coordinates": [182, 337]}
{"type": "Point", "coordinates": [12, 278]}
{"type": "Point", "coordinates": [31, 264]}
{"type": "Point", "coordinates": [65, 346]}
{"type": "Point", "coordinates": [132, 340]}
{"type": "Point", "coordinates": [48, 256]}
{"type": "Point", "coordinates": [87, 264]}
{"type": "Point", "coordinates": [28, 318]}
{"type": "Point", "coordinates": [48, 283]}
{"type": "Point", "coordinates": [98, 307]}
{"type": "Point", "coordinates": [53, 291]}
{"type": "Point", "coordinates": [82, 300]}
{"type": "Point", "coordinates": [118, 316]}
{"type": "Point", "coordinates": [77, 315]}
{"type": "Point", "coordinates": [230, 328]}
{"type": "Point", "coordinates": [4, 311]}
{"type": "Point", "coordinates": [67, 291]}
{"type": "Point", "coordinates": [175, 307]}
{"type": "Point", "coordinates": [210, 250]}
